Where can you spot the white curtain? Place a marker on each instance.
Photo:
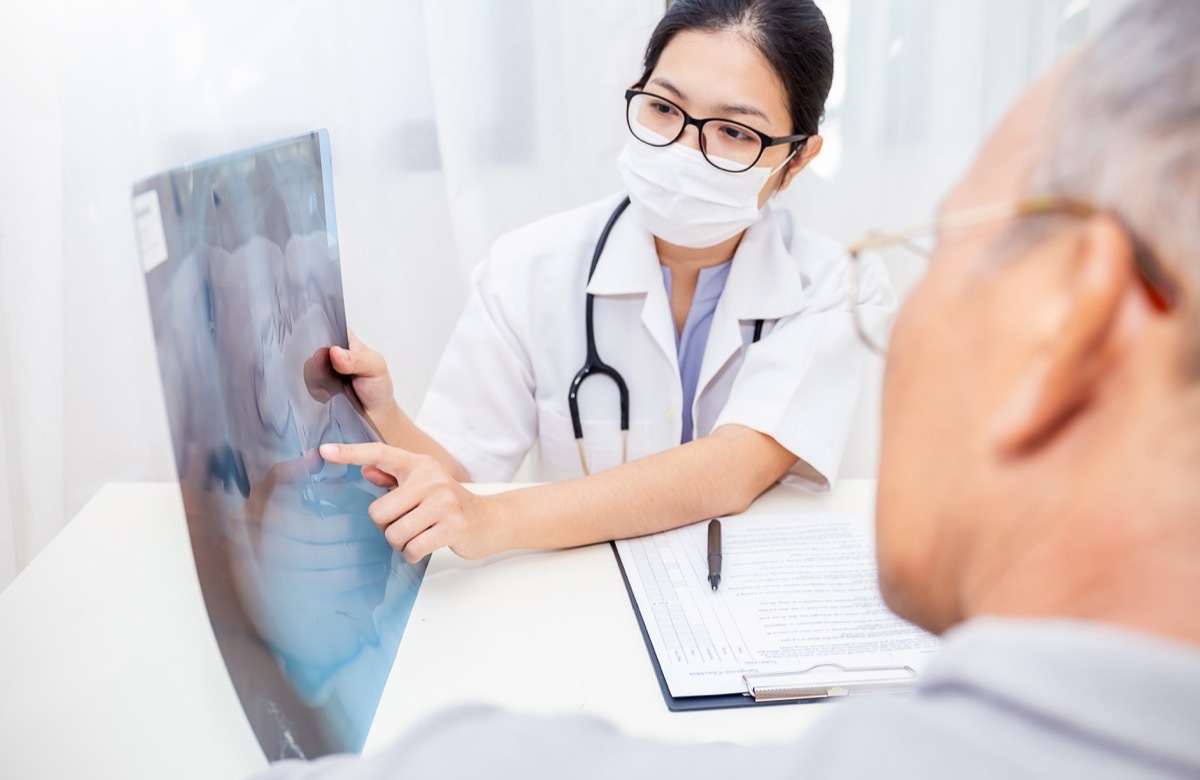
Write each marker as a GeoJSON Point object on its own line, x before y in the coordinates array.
{"type": "Point", "coordinates": [451, 121]}
{"type": "Point", "coordinates": [918, 86]}
{"type": "Point", "coordinates": [33, 477]}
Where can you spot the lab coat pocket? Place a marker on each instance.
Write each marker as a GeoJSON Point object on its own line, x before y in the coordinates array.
{"type": "Point", "coordinates": [558, 452]}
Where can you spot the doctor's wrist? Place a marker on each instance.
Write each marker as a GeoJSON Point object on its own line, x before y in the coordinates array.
{"type": "Point", "coordinates": [495, 532]}
{"type": "Point", "coordinates": [391, 422]}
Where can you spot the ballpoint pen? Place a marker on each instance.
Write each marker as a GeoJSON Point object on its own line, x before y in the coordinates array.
{"type": "Point", "coordinates": [714, 553]}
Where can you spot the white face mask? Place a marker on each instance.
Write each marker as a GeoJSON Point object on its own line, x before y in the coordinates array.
{"type": "Point", "coordinates": [684, 199]}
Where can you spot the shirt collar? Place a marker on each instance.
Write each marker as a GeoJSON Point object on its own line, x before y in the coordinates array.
{"type": "Point", "coordinates": [629, 263]}
{"type": "Point", "coordinates": [764, 281]}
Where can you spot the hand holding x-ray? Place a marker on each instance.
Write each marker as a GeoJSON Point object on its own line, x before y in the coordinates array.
{"type": "Point", "coordinates": [369, 376]}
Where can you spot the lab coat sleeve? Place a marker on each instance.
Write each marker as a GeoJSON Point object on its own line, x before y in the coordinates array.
{"type": "Point", "coordinates": [800, 384]}
{"type": "Point", "coordinates": [480, 405]}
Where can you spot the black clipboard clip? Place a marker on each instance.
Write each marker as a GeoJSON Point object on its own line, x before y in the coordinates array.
{"type": "Point", "coordinates": [828, 680]}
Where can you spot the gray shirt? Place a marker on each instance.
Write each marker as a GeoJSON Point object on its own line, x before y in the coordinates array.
{"type": "Point", "coordinates": [1004, 698]}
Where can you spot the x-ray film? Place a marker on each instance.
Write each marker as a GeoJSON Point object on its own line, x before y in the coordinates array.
{"type": "Point", "coordinates": [306, 598]}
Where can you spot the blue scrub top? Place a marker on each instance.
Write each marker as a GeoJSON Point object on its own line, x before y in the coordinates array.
{"type": "Point", "coordinates": [689, 345]}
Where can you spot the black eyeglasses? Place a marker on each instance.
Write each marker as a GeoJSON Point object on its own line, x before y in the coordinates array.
{"type": "Point", "coordinates": [730, 146]}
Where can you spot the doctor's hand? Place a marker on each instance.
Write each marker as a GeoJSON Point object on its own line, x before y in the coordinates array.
{"type": "Point", "coordinates": [370, 378]}
{"type": "Point", "coordinates": [426, 508]}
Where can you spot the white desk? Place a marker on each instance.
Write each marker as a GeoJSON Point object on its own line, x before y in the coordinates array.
{"type": "Point", "coordinates": [108, 666]}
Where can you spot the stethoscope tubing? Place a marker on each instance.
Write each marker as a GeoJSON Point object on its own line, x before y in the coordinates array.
{"type": "Point", "coordinates": [592, 364]}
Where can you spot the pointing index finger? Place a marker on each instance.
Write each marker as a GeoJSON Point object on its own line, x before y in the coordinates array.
{"type": "Point", "coordinates": [389, 460]}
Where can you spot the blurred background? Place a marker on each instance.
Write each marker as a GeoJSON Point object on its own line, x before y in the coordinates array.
{"type": "Point", "coordinates": [452, 121]}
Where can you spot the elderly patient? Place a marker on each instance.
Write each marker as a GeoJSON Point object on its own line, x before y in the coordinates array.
{"type": "Point", "coordinates": [1039, 492]}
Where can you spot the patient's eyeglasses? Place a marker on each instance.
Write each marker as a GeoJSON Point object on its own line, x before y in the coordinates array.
{"type": "Point", "coordinates": [919, 242]}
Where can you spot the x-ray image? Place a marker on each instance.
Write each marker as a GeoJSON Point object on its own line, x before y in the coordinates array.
{"type": "Point", "coordinates": [307, 600]}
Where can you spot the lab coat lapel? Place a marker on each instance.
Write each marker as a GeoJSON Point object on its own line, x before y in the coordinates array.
{"type": "Point", "coordinates": [764, 284]}
{"type": "Point", "coordinates": [629, 266]}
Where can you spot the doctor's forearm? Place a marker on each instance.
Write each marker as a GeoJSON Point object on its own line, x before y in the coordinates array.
{"type": "Point", "coordinates": [716, 475]}
{"type": "Point", "coordinates": [399, 430]}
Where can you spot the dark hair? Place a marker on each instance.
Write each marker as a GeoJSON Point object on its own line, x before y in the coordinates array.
{"type": "Point", "coordinates": [791, 34]}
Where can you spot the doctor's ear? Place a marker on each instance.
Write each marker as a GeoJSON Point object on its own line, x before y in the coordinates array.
{"type": "Point", "coordinates": [805, 155]}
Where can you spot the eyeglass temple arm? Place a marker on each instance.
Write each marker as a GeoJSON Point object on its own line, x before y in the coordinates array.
{"type": "Point", "coordinates": [978, 216]}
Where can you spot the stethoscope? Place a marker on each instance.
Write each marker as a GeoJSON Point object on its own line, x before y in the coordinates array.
{"type": "Point", "coordinates": [592, 364]}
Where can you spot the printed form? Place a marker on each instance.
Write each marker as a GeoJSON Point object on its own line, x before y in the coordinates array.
{"type": "Point", "coordinates": [796, 591]}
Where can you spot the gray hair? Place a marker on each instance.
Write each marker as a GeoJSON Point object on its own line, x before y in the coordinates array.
{"type": "Point", "coordinates": [1126, 133]}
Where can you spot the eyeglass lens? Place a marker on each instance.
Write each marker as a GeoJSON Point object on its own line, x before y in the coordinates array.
{"type": "Point", "coordinates": [727, 145]}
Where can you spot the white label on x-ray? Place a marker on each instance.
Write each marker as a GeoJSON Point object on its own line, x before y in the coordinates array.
{"type": "Point", "coordinates": [152, 241]}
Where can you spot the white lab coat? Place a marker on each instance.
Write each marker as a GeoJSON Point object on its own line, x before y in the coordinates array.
{"type": "Point", "coordinates": [502, 384]}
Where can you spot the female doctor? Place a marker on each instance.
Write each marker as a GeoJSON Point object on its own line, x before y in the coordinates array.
{"type": "Point", "coordinates": [671, 360]}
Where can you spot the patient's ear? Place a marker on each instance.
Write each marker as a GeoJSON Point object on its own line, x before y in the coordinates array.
{"type": "Point", "coordinates": [1078, 341]}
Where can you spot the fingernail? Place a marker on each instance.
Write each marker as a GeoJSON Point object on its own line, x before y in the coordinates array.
{"type": "Point", "coordinates": [329, 450]}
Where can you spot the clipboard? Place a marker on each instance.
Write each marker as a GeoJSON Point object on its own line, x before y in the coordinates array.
{"type": "Point", "coordinates": [678, 703]}
{"type": "Point", "coordinates": [819, 682]}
